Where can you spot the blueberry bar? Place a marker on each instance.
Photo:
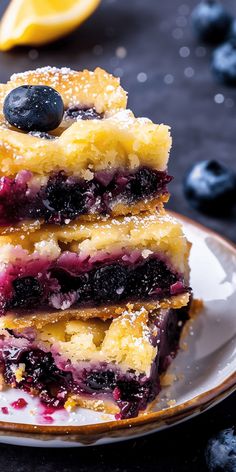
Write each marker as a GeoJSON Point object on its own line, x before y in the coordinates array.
{"type": "Point", "coordinates": [112, 366]}
{"type": "Point", "coordinates": [70, 150]}
{"type": "Point", "coordinates": [83, 269]}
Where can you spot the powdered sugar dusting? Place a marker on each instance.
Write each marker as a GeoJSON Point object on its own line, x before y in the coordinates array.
{"type": "Point", "coordinates": [47, 71]}
{"type": "Point", "coordinates": [96, 89]}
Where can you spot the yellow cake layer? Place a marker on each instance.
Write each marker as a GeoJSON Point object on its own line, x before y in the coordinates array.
{"type": "Point", "coordinates": [120, 141]}
{"type": "Point", "coordinates": [83, 146]}
{"type": "Point", "coordinates": [39, 318]}
{"type": "Point", "coordinates": [150, 233]}
{"type": "Point", "coordinates": [124, 341]}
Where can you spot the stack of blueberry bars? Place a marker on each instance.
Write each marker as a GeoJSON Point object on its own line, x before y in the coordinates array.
{"type": "Point", "coordinates": [94, 278]}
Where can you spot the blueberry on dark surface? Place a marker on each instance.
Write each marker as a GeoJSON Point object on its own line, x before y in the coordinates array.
{"type": "Point", "coordinates": [101, 380]}
{"type": "Point", "coordinates": [77, 113]}
{"type": "Point", "coordinates": [210, 187]}
{"type": "Point", "coordinates": [224, 63]}
{"type": "Point", "coordinates": [211, 21]}
{"type": "Point", "coordinates": [232, 31]}
{"type": "Point", "coordinates": [109, 282]}
{"type": "Point", "coordinates": [27, 292]}
{"type": "Point", "coordinates": [34, 108]}
{"type": "Point", "coordinates": [221, 452]}
{"type": "Point", "coordinates": [143, 183]}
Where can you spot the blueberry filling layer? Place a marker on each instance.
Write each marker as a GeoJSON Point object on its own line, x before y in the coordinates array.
{"type": "Point", "coordinates": [65, 197]}
{"type": "Point", "coordinates": [131, 392]}
{"type": "Point", "coordinates": [65, 282]}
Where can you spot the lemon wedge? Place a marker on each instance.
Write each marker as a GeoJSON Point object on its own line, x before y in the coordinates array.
{"type": "Point", "coordinates": [36, 22]}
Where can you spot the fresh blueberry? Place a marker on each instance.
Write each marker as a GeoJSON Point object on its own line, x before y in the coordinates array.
{"type": "Point", "coordinates": [224, 63]}
{"type": "Point", "coordinates": [77, 113]}
{"type": "Point", "coordinates": [27, 292]}
{"type": "Point", "coordinates": [221, 452]}
{"type": "Point", "coordinates": [109, 282]}
{"type": "Point", "coordinates": [34, 108]}
{"type": "Point", "coordinates": [232, 31]}
{"type": "Point", "coordinates": [210, 187]}
{"type": "Point", "coordinates": [211, 21]}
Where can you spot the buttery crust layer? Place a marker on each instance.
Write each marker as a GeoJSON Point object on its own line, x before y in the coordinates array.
{"type": "Point", "coordinates": [17, 320]}
{"type": "Point", "coordinates": [121, 209]}
{"type": "Point", "coordinates": [104, 406]}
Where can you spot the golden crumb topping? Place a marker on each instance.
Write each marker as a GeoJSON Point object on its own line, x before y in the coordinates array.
{"type": "Point", "coordinates": [15, 320]}
{"type": "Point", "coordinates": [96, 88]}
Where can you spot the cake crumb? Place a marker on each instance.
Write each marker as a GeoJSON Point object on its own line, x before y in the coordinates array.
{"type": "Point", "coordinates": [196, 307]}
{"type": "Point", "coordinates": [19, 373]}
{"type": "Point", "coordinates": [2, 383]}
{"type": "Point", "coordinates": [105, 417]}
{"type": "Point", "coordinates": [184, 345]}
{"type": "Point", "coordinates": [70, 404]}
{"type": "Point", "coordinates": [168, 379]}
{"type": "Point", "coordinates": [146, 253]}
{"type": "Point", "coordinates": [181, 376]}
{"type": "Point", "coordinates": [171, 403]}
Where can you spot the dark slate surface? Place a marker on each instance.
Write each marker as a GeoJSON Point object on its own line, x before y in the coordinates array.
{"type": "Point", "coordinates": [152, 34]}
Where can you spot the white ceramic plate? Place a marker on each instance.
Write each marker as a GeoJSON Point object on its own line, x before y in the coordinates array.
{"type": "Point", "coordinates": [205, 372]}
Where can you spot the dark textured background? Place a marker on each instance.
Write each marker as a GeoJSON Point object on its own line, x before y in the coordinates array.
{"type": "Point", "coordinates": [152, 33]}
